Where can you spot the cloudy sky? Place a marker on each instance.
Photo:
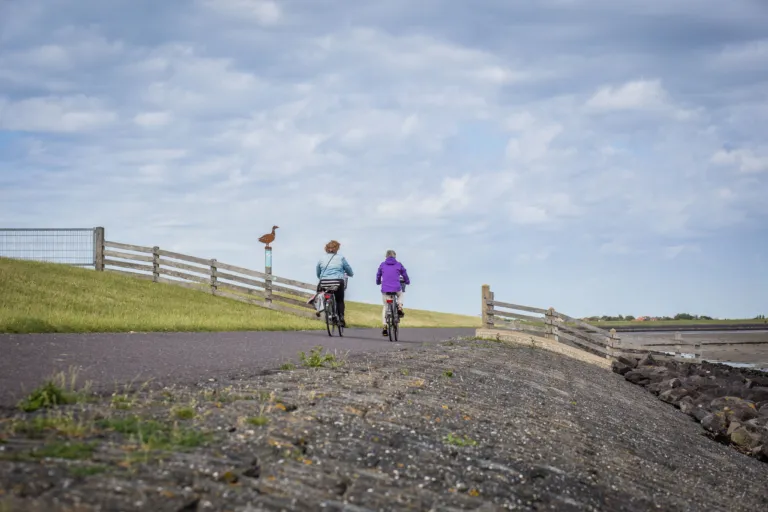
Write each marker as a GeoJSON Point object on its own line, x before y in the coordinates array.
{"type": "Point", "coordinates": [597, 156]}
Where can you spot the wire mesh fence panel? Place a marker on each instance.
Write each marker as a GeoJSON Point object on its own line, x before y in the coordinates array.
{"type": "Point", "coordinates": [68, 246]}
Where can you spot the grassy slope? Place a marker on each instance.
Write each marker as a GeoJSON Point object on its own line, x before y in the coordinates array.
{"type": "Point", "coordinates": [44, 297]}
{"type": "Point", "coordinates": [676, 323]}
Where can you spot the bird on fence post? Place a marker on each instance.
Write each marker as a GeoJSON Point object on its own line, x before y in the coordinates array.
{"type": "Point", "coordinates": [269, 237]}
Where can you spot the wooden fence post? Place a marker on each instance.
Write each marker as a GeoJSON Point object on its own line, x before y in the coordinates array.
{"type": "Point", "coordinates": [549, 322]}
{"type": "Point", "coordinates": [155, 264]}
{"type": "Point", "coordinates": [678, 347]}
{"type": "Point", "coordinates": [613, 346]}
{"type": "Point", "coordinates": [98, 248]}
{"type": "Point", "coordinates": [214, 277]}
{"type": "Point", "coordinates": [487, 308]}
{"type": "Point", "coordinates": [268, 278]}
{"type": "Point", "coordinates": [485, 292]}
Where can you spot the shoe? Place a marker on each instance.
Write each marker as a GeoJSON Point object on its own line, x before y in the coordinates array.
{"type": "Point", "coordinates": [384, 332]}
{"type": "Point", "coordinates": [343, 323]}
{"type": "Point", "coordinates": [400, 313]}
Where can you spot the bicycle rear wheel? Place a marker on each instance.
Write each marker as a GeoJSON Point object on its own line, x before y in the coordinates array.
{"type": "Point", "coordinates": [396, 328]}
{"type": "Point", "coordinates": [390, 321]}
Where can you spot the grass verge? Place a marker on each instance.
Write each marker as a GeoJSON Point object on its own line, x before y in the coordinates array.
{"type": "Point", "coordinates": [46, 297]}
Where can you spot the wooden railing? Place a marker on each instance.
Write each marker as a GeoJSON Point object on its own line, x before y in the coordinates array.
{"type": "Point", "coordinates": [562, 328]}
{"type": "Point", "coordinates": [210, 275]}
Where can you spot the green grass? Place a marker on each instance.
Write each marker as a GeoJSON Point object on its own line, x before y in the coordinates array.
{"type": "Point", "coordinates": [48, 297]}
{"type": "Point", "coordinates": [154, 435]}
{"type": "Point", "coordinates": [65, 450]}
{"type": "Point", "coordinates": [258, 421]}
{"type": "Point", "coordinates": [675, 323]}
{"type": "Point", "coordinates": [459, 440]}
{"type": "Point", "coordinates": [45, 397]}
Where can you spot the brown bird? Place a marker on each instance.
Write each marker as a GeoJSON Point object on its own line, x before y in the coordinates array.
{"type": "Point", "coordinates": [269, 237]}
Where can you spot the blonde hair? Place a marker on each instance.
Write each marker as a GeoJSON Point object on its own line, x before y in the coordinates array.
{"type": "Point", "coordinates": [332, 247]}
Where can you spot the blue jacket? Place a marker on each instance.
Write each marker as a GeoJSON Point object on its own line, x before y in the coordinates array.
{"type": "Point", "coordinates": [337, 267]}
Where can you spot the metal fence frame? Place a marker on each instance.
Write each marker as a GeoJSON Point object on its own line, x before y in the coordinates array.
{"type": "Point", "coordinates": [98, 245]}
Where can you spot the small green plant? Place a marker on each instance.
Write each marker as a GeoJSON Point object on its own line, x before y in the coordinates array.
{"type": "Point", "coordinates": [258, 421]}
{"type": "Point", "coordinates": [459, 441]}
{"type": "Point", "coordinates": [121, 401]}
{"type": "Point", "coordinates": [61, 450]}
{"type": "Point", "coordinates": [316, 358]}
{"type": "Point", "coordinates": [405, 371]}
{"type": "Point", "coordinates": [448, 373]}
{"type": "Point", "coordinates": [62, 423]}
{"type": "Point", "coordinates": [83, 471]}
{"type": "Point", "coordinates": [184, 413]}
{"type": "Point", "coordinates": [153, 435]}
{"type": "Point", "coordinates": [46, 396]}
{"type": "Point", "coordinates": [288, 366]}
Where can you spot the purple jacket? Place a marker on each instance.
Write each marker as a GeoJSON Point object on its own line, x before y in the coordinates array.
{"type": "Point", "coordinates": [389, 274]}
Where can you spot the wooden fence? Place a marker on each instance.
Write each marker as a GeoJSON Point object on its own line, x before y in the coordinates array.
{"type": "Point", "coordinates": [210, 275]}
{"type": "Point", "coordinates": [554, 325]}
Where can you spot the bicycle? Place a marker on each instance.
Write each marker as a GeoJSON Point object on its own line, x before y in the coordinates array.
{"type": "Point", "coordinates": [392, 318]}
{"type": "Point", "coordinates": [332, 320]}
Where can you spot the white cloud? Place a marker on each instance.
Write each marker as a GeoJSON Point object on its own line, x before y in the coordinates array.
{"type": "Point", "coordinates": [636, 95]}
{"type": "Point", "coordinates": [152, 119]}
{"type": "Point", "coordinates": [745, 160]}
{"type": "Point", "coordinates": [673, 251]}
{"type": "Point", "coordinates": [539, 255]}
{"type": "Point", "coordinates": [747, 55]}
{"type": "Point", "coordinates": [266, 12]}
{"type": "Point", "coordinates": [533, 144]}
{"type": "Point", "coordinates": [55, 114]}
{"type": "Point", "coordinates": [453, 197]}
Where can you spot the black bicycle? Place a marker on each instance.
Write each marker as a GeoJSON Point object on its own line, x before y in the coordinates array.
{"type": "Point", "coordinates": [332, 320]}
{"type": "Point", "coordinates": [392, 318]}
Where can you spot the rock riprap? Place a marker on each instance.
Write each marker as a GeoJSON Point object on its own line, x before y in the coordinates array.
{"type": "Point", "coordinates": [730, 403]}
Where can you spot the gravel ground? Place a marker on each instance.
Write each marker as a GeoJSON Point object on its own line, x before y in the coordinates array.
{"type": "Point", "coordinates": [461, 425]}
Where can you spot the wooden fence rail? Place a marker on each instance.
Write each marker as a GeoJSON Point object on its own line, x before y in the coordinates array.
{"type": "Point", "coordinates": [562, 328]}
{"type": "Point", "coordinates": [209, 275]}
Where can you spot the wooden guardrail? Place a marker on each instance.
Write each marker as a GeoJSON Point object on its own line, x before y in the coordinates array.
{"type": "Point", "coordinates": [554, 325]}
{"type": "Point", "coordinates": [209, 275]}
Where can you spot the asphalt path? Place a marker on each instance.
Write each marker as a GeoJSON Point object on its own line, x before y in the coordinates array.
{"type": "Point", "coordinates": [110, 360]}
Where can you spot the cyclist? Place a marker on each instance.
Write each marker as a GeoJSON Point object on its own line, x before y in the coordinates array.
{"type": "Point", "coordinates": [391, 276]}
{"type": "Point", "coordinates": [332, 269]}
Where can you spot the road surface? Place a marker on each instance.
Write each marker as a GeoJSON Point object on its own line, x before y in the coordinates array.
{"type": "Point", "coordinates": [167, 358]}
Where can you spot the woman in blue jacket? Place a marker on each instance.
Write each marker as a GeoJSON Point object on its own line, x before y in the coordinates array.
{"type": "Point", "coordinates": [331, 269]}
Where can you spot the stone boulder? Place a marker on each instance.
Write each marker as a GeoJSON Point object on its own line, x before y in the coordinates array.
{"type": "Point", "coordinates": [638, 376]}
{"type": "Point", "coordinates": [716, 423]}
{"type": "Point", "coordinates": [628, 361]}
{"type": "Point", "coordinates": [755, 381]}
{"type": "Point", "coordinates": [686, 405]}
{"type": "Point", "coordinates": [620, 368]}
{"type": "Point", "coordinates": [756, 394]}
{"type": "Point", "coordinates": [743, 438]}
{"type": "Point", "coordinates": [734, 408]}
{"type": "Point", "coordinates": [673, 395]}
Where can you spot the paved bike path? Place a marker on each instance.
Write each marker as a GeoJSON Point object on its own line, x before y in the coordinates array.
{"type": "Point", "coordinates": [167, 358]}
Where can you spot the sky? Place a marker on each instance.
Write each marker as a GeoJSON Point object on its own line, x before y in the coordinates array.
{"type": "Point", "coordinates": [594, 156]}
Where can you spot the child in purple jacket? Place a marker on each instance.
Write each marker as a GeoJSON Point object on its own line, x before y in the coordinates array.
{"type": "Point", "coordinates": [389, 277]}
